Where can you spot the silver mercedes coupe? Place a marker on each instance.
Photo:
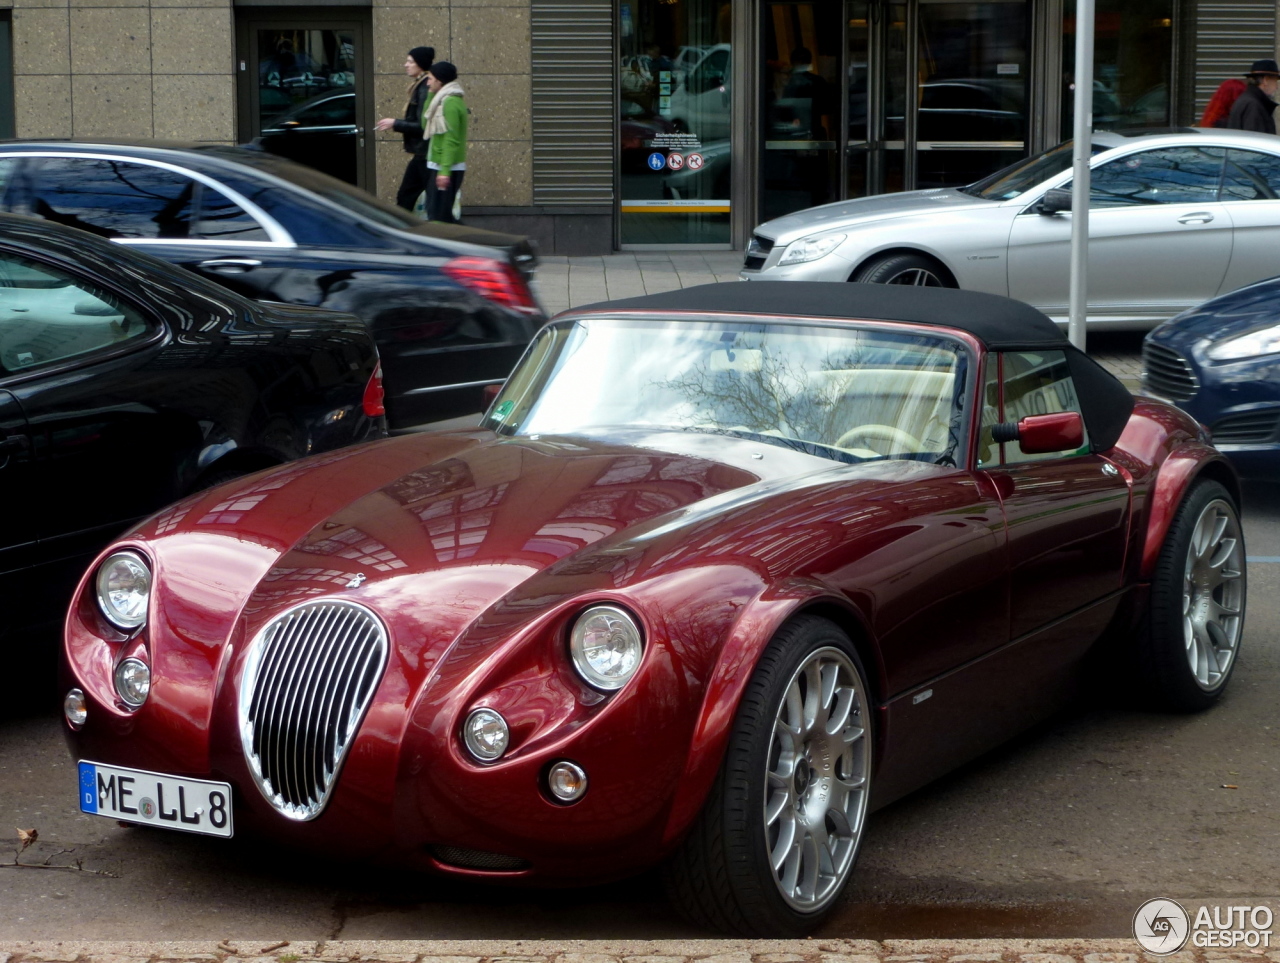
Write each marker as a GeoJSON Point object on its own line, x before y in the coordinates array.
{"type": "Point", "coordinates": [1175, 217]}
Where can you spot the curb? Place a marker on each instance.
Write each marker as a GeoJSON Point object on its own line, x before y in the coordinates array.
{"type": "Point", "coordinates": [812, 950]}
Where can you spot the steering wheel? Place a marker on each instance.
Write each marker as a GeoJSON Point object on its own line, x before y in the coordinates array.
{"type": "Point", "coordinates": [882, 439]}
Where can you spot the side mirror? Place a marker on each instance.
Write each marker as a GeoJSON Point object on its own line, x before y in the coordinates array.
{"type": "Point", "coordinates": [491, 392]}
{"type": "Point", "coordinates": [1055, 201]}
{"type": "Point", "coordinates": [1040, 434]}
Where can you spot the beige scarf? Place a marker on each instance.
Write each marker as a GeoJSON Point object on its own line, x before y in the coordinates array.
{"type": "Point", "coordinates": [433, 121]}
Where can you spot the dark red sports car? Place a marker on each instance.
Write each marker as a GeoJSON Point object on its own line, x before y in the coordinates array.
{"type": "Point", "coordinates": [720, 570]}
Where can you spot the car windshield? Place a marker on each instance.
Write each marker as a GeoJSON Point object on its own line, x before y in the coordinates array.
{"type": "Point", "coordinates": [844, 392]}
{"type": "Point", "coordinates": [1025, 174]}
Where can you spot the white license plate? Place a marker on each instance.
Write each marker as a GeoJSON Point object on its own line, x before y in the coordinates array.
{"type": "Point", "coordinates": [154, 799]}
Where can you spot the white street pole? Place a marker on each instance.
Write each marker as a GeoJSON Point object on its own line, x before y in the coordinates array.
{"type": "Point", "coordinates": [1083, 135]}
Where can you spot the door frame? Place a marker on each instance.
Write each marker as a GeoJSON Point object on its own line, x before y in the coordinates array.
{"type": "Point", "coordinates": [249, 20]}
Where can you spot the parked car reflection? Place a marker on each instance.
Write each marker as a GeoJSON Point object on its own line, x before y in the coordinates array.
{"type": "Point", "coordinates": [320, 132]}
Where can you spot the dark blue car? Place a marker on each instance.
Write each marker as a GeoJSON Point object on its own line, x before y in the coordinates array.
{"type": "Point", "coordinates": [1220, 363]}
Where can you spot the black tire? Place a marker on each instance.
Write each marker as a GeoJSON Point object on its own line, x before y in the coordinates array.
{"type": "Point", "coordinates": [1189, 600]}
{"type": "Point", "coordinates": [914, 269]}
{"type": "Point", "coordinates": [722, 877]}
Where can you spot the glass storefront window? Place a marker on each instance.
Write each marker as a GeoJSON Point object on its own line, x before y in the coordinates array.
{"type": "Point", "coordinates": [1132, 64]}
{"type": "Point", "coordinates": [675, 67]}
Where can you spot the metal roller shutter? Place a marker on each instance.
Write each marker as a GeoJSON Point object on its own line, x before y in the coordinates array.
{"type": "Point", "coordinates": [1230, 35]}
{"type": "Point", "coordinates": [574, 112]}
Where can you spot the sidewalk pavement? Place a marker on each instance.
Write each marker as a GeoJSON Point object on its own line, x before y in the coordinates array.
{"type": "Point", "coordinates": [812, 950]}
{"type": "Point", "coordinates": [569, 282]}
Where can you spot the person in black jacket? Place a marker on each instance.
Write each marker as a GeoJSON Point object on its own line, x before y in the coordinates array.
{"type": "Point", "coordinates": [414, 181]}
{"type": "Point", "coordinates": [1252, 109]}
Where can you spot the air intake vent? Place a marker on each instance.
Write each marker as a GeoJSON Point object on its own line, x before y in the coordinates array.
{"type": "Point", "coordinates": [757, 252]}
{"type": "Point", "coordinates": [477, 859]}
{"type": "Point", "coordinates": [1246, 428]}
{"type": "Point", "coordinates": [308, 679]}
{"type": "Point", "coordinates": [1166, 373]}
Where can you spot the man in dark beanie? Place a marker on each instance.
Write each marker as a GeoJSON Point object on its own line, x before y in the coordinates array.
{"type": "Point", "coordinates": [444, 123]}
{"type": "Point", "coordinates": [414, 181]}
{"type": "Point", "coordinates": [1252, 109]}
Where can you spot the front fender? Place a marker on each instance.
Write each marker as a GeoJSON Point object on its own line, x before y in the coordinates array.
{"type": "Point", "coordinates": [755, 627]}
{"type": "Point", "coordinates": [1186, 463]}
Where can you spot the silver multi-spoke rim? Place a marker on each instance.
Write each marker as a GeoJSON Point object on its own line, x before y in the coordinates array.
{"type": "Point", "coordinates": [920, 277]}
{"type": "Point", "coordinates": [816, 792]}
{"type": "Point", "coordinates": [1213, 594]}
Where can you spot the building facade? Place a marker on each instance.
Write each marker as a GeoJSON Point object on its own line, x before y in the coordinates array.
{"type": "Point", "coordinates": [599, 124]}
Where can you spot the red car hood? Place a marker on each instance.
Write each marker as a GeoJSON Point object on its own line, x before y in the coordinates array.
{"type": "Point", "coordinates": [431, 530]}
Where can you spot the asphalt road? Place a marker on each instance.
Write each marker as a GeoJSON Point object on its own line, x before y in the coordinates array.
{"type": "Point", "coordinates": [1062, 832]}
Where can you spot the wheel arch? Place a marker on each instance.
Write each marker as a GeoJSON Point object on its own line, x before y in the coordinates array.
{"type": "Point", "coordinates": [901, 249]}
{"type": "Point", "coordinates": [1185, 465]}
{"type": "Point", "coordinates": [735, 665]}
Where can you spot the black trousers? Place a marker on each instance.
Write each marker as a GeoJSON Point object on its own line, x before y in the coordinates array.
{"type": "Point", "coordinates": [413, 183]}
{"type": "Point", "coordinates": [440, 202]}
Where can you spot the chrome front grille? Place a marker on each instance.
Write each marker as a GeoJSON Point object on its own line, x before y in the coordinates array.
{"type": "Point", "coordinates": [1166, 373]}
{"type": "Point", "coordinates": [308, 679]}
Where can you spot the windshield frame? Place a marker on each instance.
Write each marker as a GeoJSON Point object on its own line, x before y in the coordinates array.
{"type": "Point", "coordinates": [968, 351]}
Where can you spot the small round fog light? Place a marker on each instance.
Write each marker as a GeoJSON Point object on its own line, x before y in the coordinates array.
{"type": "Point", "coordinates": [133, 682]}
{"type": "Point", "coordinates": [485, 735]}
{"type": "Point", "coordinates": [75, 708]}
{"type": "Point", "coordinates": [566, 781]}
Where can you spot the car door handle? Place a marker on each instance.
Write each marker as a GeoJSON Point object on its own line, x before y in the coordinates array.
{"type": "Point", "coordinates": [1196, 217]}
{"type": "Point", "coordinates": [13, 443]}
{"type": "Point", "coordinates": [231, 265]}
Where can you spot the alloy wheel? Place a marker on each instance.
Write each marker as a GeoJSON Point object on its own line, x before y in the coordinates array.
{"type": "Point", "coordinates": [817, 779]}
{"type": "Point", "coordinates": [1213, 594]}
{"type": "Point", "coordinates": [919, 277]}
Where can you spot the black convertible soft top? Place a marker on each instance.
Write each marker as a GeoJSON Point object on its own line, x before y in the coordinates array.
{"type": "Point", "coordinates": [1000, 323]}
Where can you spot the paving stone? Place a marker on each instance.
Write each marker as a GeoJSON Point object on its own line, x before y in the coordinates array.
{"type": "Point", "coordinates": [848, 958]}
{"type": "Point", "coordinates": [51, 956]}
{"type": "Point", "coordinates": [975, 958]}
{"type": "Point", "coordinates": [586, 958]}
{"type": "Point", "coordinates": [450, 959]}
{"type": "Point", "coordinates": [726, 958]}
{"type": "Point", "coordinates": [778, 958]}
{"type": "Point", "coordinates": [658, 959]}
{"type": "Point", "coordinates": [1111, 958]}
{"type": "Point", "coordinates": [1046, 958]}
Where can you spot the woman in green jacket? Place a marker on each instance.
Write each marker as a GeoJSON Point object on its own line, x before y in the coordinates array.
{"type": "Point", "coordinates": [444, 120]}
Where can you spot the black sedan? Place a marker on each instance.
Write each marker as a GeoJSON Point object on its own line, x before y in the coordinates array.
{"type": "Point", "coordinates": [450, 308]}
{"type": "Point", "coordinates": [1220, 363]}
{"type": "Point", "coordinates": [126, 383]}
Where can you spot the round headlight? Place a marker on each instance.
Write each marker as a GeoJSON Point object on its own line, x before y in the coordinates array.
{"type": "Point", "coordinates": [485, 735]}
{"type": "Point", "coordinates": [133, 681]}
{"type": "Point", "coordinates": [606, 646]}
{"type": "Point", "coordinates": [124, 589]}
{"type": "Point", "coordinates": [75, 708]}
